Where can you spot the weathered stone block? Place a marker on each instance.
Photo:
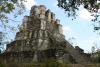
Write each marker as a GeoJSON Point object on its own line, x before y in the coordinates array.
{"type": "Point", "coordinates": [48, 15]}
{"type": "Point", "coordinates": [52, 16]}
{"type": "Point", "coordinates": [60, 29]}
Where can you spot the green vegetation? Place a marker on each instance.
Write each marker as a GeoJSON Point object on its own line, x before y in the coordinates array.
{"type": "Point", "coordinates": [8, 7]}
{"type": "Point", "coordinates": [2, 65]}
{"type": "Point", "coordinates": [48, 63]}
{"type": "Point", "coordinates": [71, 8]}
{"type": "Point", "coordinates": [95, 57]}
{"type": "Point", "coordinates": [72, 5]}
{"type": "Point", "coordinates": [51, 65]}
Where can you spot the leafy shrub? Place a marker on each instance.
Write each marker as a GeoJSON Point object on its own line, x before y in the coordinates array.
{"type": "Point", "coordinates": [13, 64]}
{"type": "Point", "coordinates": [1, 64]}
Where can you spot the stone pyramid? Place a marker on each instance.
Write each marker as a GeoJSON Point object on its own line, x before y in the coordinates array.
{"type": "Point", "coordinates": [40, 38]}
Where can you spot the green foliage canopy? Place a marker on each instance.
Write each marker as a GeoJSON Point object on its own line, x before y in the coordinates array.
{"type": "Point", "coordinates": [71, 7]}
{"type": "Point", "coordinates": [8, 6]}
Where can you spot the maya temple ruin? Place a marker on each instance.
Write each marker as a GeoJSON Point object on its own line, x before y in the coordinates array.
{"type": "Point", "coordinates": [41, 38]}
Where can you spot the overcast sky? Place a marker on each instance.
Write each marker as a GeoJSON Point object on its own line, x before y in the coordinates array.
{"type": "Point", "coordinates": [79, 29]}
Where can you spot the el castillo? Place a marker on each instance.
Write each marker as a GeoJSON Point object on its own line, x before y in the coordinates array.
{"type": "Point", "coordinates": [40, 42]}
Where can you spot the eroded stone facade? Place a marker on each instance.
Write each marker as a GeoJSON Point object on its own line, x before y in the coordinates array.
{"type": "Point", "coordinates": [40, 38]}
